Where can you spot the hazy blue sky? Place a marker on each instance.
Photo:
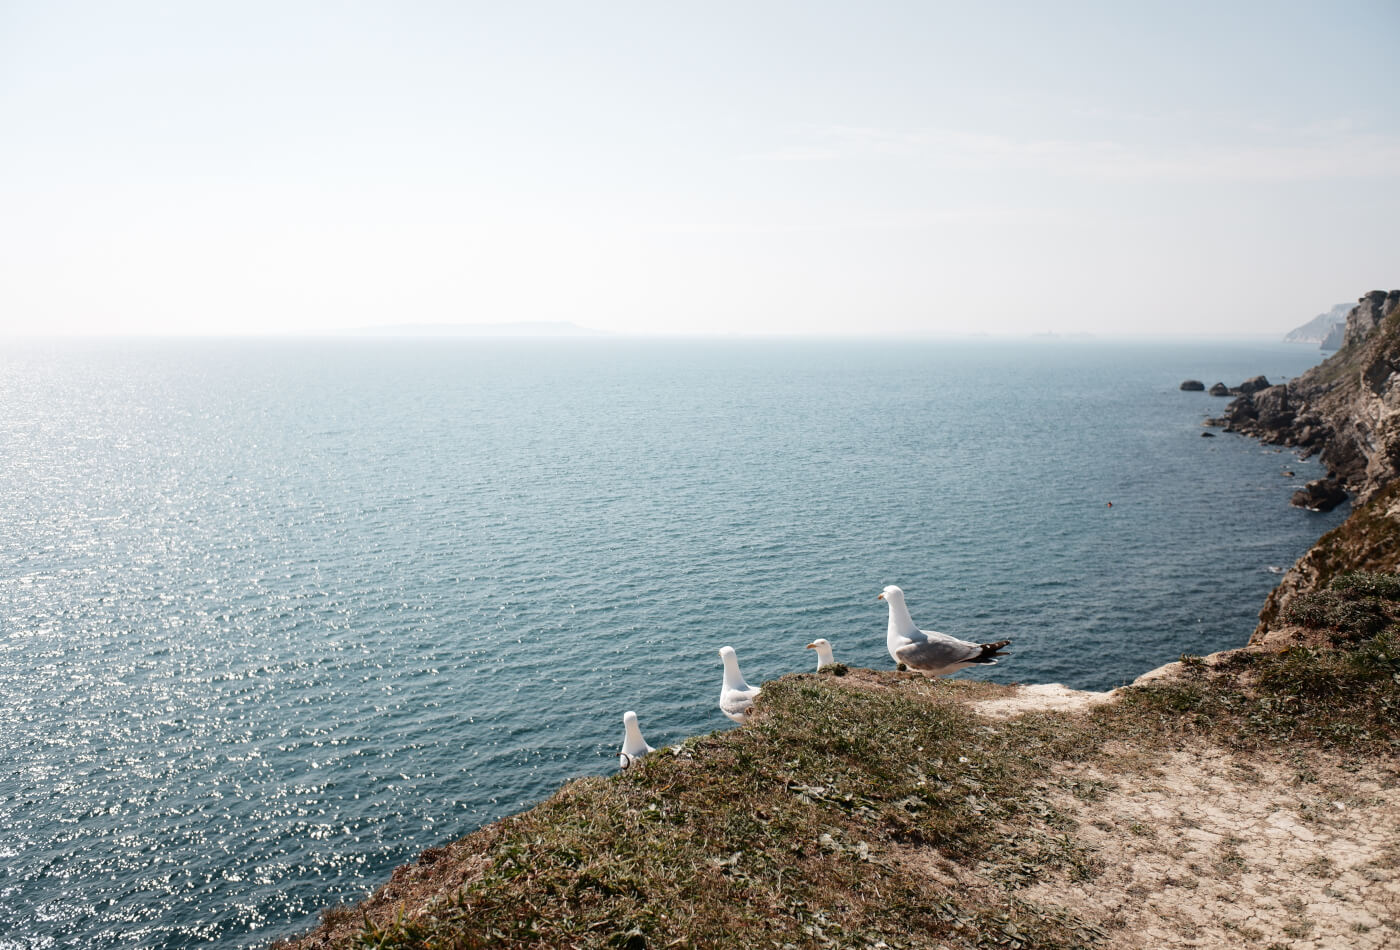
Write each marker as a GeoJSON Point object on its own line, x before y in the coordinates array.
{"type": "Point", "coordinates": [1200, 168]}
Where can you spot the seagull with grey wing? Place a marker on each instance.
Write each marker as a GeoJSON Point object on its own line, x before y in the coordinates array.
{"type": "Point", "coordinates": [929, 652]}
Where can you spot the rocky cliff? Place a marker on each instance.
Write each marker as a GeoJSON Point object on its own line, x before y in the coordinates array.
{"type": "Point", "coordinates": [1348, 409]}
{"type": "Point", "coordinates": [1345, 407]}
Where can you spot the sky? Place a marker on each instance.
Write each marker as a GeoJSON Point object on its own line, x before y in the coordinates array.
{"type": "Point", "coordinates": [732, 168]}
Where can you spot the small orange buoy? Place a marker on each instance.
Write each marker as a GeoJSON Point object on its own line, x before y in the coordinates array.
{"type": "Point", "coordinates": [1110, 504]}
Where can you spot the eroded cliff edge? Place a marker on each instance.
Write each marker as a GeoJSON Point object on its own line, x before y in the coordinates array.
{"type": "Point", "coordinates": [1348, 409]}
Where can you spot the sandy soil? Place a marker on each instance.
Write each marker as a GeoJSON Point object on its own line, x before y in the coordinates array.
{"type": "Point", "coordinates": [1043, 697]}
{"type": "Point", "coordinates": [1206, 848]}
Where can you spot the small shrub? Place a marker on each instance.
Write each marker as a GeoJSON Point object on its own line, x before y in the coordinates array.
{"type": "Point", "coordinates": [1349, 613]}
{"type": "Point", "coordinates": [1311, 610]}
{"type": "Point", "coordinates": [1367, 584]}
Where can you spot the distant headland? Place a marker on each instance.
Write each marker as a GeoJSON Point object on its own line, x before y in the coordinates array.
{"type": "Point", "coordinates": [532, 329]}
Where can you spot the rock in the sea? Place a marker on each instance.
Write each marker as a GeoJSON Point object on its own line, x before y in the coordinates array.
{"type": "Point", "coordinates": [1193, 386]}
{"type": "Point", "coordinates": [1274, 411]}
{"type": "Point", "coordinates": [1214, 421]}
{"type": "Point", "coordinates": [1323, 494]}
{"type": "Point", "coordinates": [1254, 384]}
{"type": "Point", "coordinates": [1207, 435]}
{"type": "Point", "coordinates": [1220, 389]}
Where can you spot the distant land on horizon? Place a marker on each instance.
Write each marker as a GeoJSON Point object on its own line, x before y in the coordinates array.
{"type": "Point", "coordinates": [527, 328]}
{"type": "Point", "coordinates": [1321, 327]}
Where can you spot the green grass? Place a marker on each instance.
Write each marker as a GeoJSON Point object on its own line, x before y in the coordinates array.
{"type": "Point", "coordinates": [1331, 698]}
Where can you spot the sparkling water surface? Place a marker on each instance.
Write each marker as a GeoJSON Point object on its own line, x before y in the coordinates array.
{"type": "Point", "coordinates": [276, 616]}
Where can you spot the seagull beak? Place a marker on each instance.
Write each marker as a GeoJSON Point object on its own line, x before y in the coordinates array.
{"type": "Point", "coordinates": [880, 596]}
{"type": "Point", "coordinates": [811, 646]}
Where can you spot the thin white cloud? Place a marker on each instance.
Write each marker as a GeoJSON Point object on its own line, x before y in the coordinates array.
{"type": "Point", "coordinates": [1324, 151]}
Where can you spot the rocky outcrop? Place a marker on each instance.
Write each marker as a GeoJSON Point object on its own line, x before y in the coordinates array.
{"type": "Point", "coordinates": [1320, 494]}
{"type": "Point", "coordinates": [1252, 385]}
{"type": "Point", "coordinates": [1368, 314]}
{"type": "Point", "coordinates": [1193, 386]}
{"type": "Point", "coordinates": [1346, 408]}
{"type": "Point", "coordinates": [1220, 389]}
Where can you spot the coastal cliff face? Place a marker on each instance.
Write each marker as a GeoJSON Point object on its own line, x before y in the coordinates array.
{"type": "Point", "coordinates": [1348, 409]}
{"type": "Point", "coordinates": [1345, 407]}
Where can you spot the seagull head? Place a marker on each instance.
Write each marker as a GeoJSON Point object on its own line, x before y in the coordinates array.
{"type": "Point", "coordinates": [818, 643]}
{"type": "Point", "coordinates": [891, 593]}
{"type": "Point", "coordinates": [629, 718]}
{"type": "Point", "coordinates": [726, 653]}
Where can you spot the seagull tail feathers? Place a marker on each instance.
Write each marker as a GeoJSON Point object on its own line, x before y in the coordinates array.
{"type": "Point", "coordinates": [990, 651]}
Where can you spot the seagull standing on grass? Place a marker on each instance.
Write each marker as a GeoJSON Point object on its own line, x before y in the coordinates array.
{"type": "Point", "coordinates": [824, 655]}
{"type": "Point", "coordinates": [928, 652]}
{"type": "Point", "coordinates": [633, 745]}
{"type": "Point", "coordinates": [735, 696]}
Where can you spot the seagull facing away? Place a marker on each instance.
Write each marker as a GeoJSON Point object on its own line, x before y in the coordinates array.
{"type": "Point", "coordinates": [735, 696]}
{"type": "Point", "coordinates": [928, 652]}
{"type": "Point", "coordinates": [824, 655]}
{"type": "Point", "coordinates": [633, 745]}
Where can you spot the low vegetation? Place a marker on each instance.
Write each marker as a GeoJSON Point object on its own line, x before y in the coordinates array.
{"type": "Point", "coordinates": [854, 809]}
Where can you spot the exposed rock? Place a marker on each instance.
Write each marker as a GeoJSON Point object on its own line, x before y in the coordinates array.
{"type": "Point", "coordinates": [1342, 407]}
{"type": "Point", "coordinates": [1214, 421]}
{"type": "Point", "coordinates": [1335, 337]}
{"type": "Point", "coordinates": [1369, 311]}
{"type": "Point", "coordinates": [1193, 386]}
{"type": "Point", "coordinates": [1321, 494]}
{"type": "Point", "coordinates": [1207, 435]}
{"type": "Point", "coordinates": [1220, 389]}
{"type": "Point", "coordinates": [1252, 385]}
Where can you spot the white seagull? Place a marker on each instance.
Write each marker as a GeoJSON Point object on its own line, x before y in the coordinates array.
{"type": "Point", "coordinates": [735, 696]}
{"type": "Point", "coordinates": [928, 652]}
{"type": "Point", "coordinates": [633, 745]}
{"type": "Point", "coordinates": [823, 648]}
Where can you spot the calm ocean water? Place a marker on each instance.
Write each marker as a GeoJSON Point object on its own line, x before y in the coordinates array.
{"type": "Point", "coordinates": [274, 617]}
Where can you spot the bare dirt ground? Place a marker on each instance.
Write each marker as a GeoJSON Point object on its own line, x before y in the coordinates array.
{"type": "Point", "coordinates": [1203, 847]}
{"type": "Point", "coordinates": [1044, 697]}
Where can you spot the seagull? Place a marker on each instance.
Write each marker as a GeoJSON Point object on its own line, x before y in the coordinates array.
{"type": "Point", "coordinates": [927, 652]}
{"type": "Point", "coordinates": [633, 745]}
{"type": "Point", "coordinates": [823, 648]}
{"type": "Point", "coordinates": [735, 696]}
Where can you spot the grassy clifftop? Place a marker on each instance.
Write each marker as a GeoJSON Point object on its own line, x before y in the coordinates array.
{"type": "Point", "coordinates": [883, 810]}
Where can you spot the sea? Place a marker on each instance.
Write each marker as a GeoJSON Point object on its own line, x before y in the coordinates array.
{"type": "Point", "coordinates": [277, 615]}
